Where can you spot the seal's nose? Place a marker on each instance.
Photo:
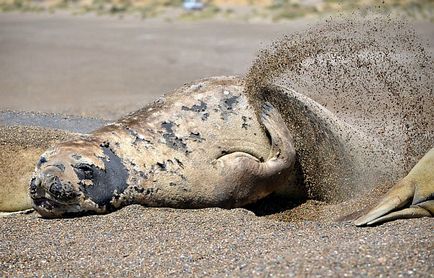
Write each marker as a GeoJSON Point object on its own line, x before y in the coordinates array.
{"type": "Point", "coordinates": [55, 186]}
{"type": "Point", "coordinates": [59, 190]}
{"type": "Point", "coordinates": [34, 185]}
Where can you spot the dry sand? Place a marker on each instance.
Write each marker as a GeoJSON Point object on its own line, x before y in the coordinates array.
{"type": "Point", "coordinates": [150, 242]}
{"type": "Point", "coordinates": [104, 68]}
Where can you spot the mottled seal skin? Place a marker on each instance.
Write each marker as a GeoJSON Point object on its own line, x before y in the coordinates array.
{"type": "Point", "coordinates": [200, 146]}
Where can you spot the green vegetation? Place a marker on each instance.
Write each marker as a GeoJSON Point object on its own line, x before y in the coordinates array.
{"type": "Point", "coordinates": [281, 10]}
{"type": "Point", "coordinates": [19, 5]}
{"type": "Point", "coordinates": [290, 9]}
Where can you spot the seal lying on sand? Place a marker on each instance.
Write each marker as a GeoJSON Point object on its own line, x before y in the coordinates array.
{"type": "Point", "coordinates": [200, 146]}
{"type": "Point", "coordinates": [207, 143]}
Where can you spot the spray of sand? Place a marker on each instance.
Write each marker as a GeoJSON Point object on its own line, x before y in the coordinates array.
{"type": "Point", "coordinates": [357, 93]}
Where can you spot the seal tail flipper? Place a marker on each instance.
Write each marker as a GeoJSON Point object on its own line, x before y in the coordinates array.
{"type": "Point", "coordinates": [398, 197]}
{"type": "Point", "coordinates": [412, 197]}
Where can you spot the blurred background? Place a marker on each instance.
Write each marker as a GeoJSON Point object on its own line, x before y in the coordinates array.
{"type": "Point", "coordinates": [103, 59]}
{"type": "Point", "coordinates": [272, 10]}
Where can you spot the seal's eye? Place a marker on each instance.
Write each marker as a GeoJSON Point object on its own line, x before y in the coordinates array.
{"type": "Point", "coordinates": [84, 172]}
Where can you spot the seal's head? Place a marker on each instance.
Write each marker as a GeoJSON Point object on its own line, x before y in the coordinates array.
{"type": "Point", "coordinates": [77, 177]}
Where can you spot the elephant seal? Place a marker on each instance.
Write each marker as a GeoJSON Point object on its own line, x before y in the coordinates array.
{"type": "Point", "coordinates": [354, 107]}
{"type": "Point", "coordinates": [200, 146]}
{"type": "Point", "coordinates": [203, 146]}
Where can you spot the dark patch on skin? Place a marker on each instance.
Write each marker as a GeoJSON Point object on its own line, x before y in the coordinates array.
{"type": "Point", "coordinates": [162, 166]}
{"type": "Point", "coordinates": [84, 171]}
{"type": "Point", "coordinates": [196, 108]}
{"type": "Point", "coordinates": [41, 161]}
{"type": "Point", "coordinates": [195, 136]}
{"type": "Point", "coordinates": [35, 189]}
{"type": "Point", "coordinates": [59, 166]}
{"type": "Point", "coordinates": [137, 137]}
{"type": "Point", "coordinates": [172, 140]}
{"type": "Point", "coordinates": [170, 166]}
{"type": "Point", "coordinates": [105, 182]}
{"type": "Point", "coordinates": [245, 125]}
{"type": "Point", "coordinates": [43, 203]}
{"type": "Point", "coordinates": [105, 144]}
{"type": "Point", "coordinates": [143, 175]}
{"type": "Point", "coordinates": [138, 189]}
{"type": "Point", "coordinates": [179, 163]}
{"type": "Point", "coordinates": [116, 196]}
{"type": "Point", "coordinates": [231, 102]}
{"type": "Point", "coordinates": [62, 191]}
{"type": "Point", "coordinates": [76, 156]}
{"type": "Point", "coordinates": [205, 116]}
{"type": "Point", "coordinates": [227, 106]}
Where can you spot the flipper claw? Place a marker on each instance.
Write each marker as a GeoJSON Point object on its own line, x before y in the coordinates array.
{"type": "Point", "coordinates": [413, 212]}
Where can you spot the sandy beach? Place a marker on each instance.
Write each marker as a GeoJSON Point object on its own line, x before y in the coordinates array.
{"type": "Point", "coordinates": [150, 242]}
{"type": "Point", "coordinates": [63, 74]}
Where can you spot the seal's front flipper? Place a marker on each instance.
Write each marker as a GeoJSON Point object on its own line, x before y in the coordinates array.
{"type": "Point", "coordinates": [412, 197]}
{"type": "Point", "coordinates": [247, 178]}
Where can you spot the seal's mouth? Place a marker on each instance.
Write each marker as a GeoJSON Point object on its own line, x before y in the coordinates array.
{"type": "Point", "coordinates": [46, 203]}
{"type": "Point", "coordinates": [49, 208]}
